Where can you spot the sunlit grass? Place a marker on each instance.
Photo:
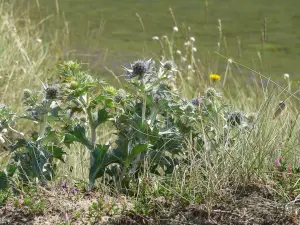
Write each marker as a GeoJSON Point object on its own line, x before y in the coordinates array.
{"type": "Point", "coordinates": [26, 60]}
{"type": "Point", "coordinates": [25, 57]}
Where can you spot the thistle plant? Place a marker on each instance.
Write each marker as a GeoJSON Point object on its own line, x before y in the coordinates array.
{"type": "Point", "coordinates": [33, 154]}
{"type": "Point", "coordinates": [152, 124]}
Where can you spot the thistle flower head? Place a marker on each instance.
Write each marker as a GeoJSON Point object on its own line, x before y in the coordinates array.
{"type": "Point", "coordinates": [118, 98]}
{"type": "Point", "coordinates": [168, 65]}
{"type": "Point", "coordinates": [211, 93]}
{"type": "Point", "coordinates": [139, 68]}
{"type": "Point", "coordinates": [26, 94]}
{"type": "Point", "coordinates": [251, 117]}
{"type": "Point", "coordinates": [196, 101]}
{"type": "Point", "coordinates": [52, 92]}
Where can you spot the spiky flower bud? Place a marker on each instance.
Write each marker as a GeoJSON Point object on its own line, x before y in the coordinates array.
{"type": "Point", "coordinates": [168, 65]}
{"type": "Point", "coordinates": [196, 101]}
{"type": "Point", "coordinates": [251, 117]}
{"type": "Point", "coordinates": [118, 99]}
{"type": "Point", "coordinates": [73, 85]}
{"type": "Point", "coordinates": [211, 93]}
{"type": "Point", "coordinates": [52, 92]}
{"type": "Point", "coordinates": [235, 118]}
{"type": "Point", "coordinates": [26, 94]}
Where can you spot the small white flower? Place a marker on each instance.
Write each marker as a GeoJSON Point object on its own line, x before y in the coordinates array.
{"type": "Point", "coordinates": [286, 76]}
{"type": "Point", "coordinates": [2, 139]}
{"type": "Point", "coordinates": [187, 43]}
{"type": "Point", "coordinates": [194, 49]}
{"type": "Point", "coordinates": [183, 59]}
{"type": "Point", "coordinates": [178, 52]}
{"type": "Point", "coordinates": [53, 105]}
{"type": "Point", "coordinates": [4, 131]}
{"type": "Point", "coordinates": [164, 37]}
{"type": "Point", "coordinates": [39, 40]}
{"type": "Point", "coordinates": [190, 67]}
{"type": "Point", "coordinates": [230, 61]}
{"type": "Point", "coordinates": [175, 29]}
{"type": "Point", "coordinates": [155, 38]}
{"type": "Point", "coordinates": [192, 39]}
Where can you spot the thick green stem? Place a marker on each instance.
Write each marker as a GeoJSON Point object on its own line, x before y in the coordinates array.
{"type": "Point", "coordinates": [154, 113]}
{"type": "Point", "coordinates": [42, 131]}
{"type": "Point", "coordinates": [93, 136]}
{"type": "Point", "coordinates": [43, 123]}
{"type": "Point", "coordinates": [124, 171]}
{"type": "Point", "coordinates": [92, 126]}
{"type": "Point", "coordinates": [88, 111]}
{"type": "Point", "coordinates": [144, 108]}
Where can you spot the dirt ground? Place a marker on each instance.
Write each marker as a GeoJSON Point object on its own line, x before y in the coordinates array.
{"type": "Point", "coordinates": [63, 206]}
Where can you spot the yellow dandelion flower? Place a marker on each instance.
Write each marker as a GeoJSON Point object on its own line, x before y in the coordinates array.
{"type": "Point", "coordinates": [215, 77]}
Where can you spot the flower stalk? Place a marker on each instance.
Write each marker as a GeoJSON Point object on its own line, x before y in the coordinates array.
{"type": "Point", "coordinates": [44, 118]}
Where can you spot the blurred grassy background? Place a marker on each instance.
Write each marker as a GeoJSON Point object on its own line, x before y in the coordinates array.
{"type": "Point", "coordinates": [109, 33]}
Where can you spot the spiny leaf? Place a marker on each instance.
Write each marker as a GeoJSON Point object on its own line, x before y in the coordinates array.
{"type": "Point", "coordinates": [101, 117]}
{"type": "Point", "coordinates": [57, 152]}
{"type": "Point", "coordinates": [10, 170]}
{"type": "Point", "coordinates": [101, 160]}
{"type": "Point", "coordinates": [77, 135]}
{"type": "Point", "coordinates": [18, 144]}
{"type": "Point", "coordinates": [137, 149]}
{"type": "Point", "coordinates": [3, 181]}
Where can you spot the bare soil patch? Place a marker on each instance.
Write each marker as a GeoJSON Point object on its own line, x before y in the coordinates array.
{"type": "Point", "coordinates": [64, 206]}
